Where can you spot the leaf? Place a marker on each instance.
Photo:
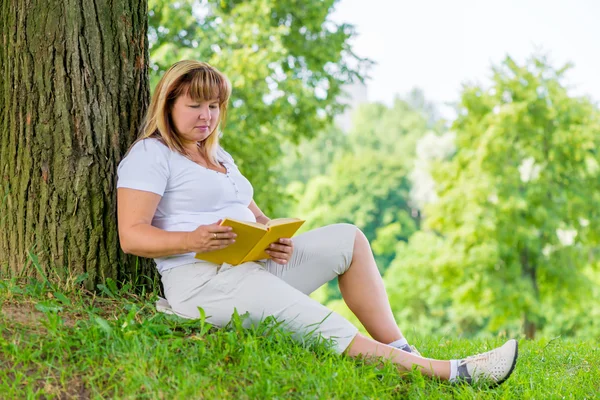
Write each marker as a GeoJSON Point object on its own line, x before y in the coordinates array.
{"type": "Point", "coordinates": [62, 298]}
{"type": "Point", "coordinates": [105, 290]}
{"type": "Point", "coordinates": [47, 306]}
{"type": "Point", "coordinates": [103, 324]}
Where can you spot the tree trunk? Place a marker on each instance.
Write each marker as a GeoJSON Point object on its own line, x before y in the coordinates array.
{"type": "Point", "coordinates": [529, 328]}
{"type": "Point", "coordinates": [73, 92]}
{"type": "Point", "coordinates": [529, 272]}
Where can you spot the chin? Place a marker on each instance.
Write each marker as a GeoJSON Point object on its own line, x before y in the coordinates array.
{"type": "Point", "coordinates": [202, 138]}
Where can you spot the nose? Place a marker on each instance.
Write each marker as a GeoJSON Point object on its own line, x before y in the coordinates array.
{"type": "Point", "coordinates": [204, 113]}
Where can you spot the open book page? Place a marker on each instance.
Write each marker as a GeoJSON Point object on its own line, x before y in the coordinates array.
{"type": "Point", "coordinates": [281, 221]}
{"type": "Point", "coordinates": [247, 237]}
{"type": "Point", "coordinates": [279, 230]}
{"type": "Point", "coordinates": [229, 222]}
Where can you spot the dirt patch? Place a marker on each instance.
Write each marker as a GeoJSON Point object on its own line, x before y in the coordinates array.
{"type": "Point", "coordinates": [26, 314]}
{"type": "Point", "coordinates": [74, 388]}
{"type": "Point", "coordinates": [48, 382]}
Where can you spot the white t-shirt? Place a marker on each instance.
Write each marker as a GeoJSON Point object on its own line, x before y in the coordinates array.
{"type": "Point", "coordinates": [192, 195]}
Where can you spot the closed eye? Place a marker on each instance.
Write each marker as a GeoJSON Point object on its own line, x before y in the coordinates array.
{"type": "Point", "coordinates": [212, 106]}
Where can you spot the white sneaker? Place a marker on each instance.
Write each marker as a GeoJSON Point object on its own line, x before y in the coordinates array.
{"type": "Point", "coordinates": [414, 350]}
{"type": "Point", "coordinates": [494, 367]}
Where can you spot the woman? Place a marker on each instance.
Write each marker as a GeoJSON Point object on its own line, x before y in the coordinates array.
{"type": "Point", "coordinates": [175, 185]}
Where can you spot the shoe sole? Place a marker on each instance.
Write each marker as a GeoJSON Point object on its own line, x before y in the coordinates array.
{"type": "Point", "coordinates": [512, 367]}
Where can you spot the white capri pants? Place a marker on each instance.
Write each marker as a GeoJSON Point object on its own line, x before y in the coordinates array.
{"type": "Point", "coordinates": [264, 289]}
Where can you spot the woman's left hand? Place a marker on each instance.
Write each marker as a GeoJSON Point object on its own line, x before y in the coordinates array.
{"type": "Point", "coordinates": [281, 251]}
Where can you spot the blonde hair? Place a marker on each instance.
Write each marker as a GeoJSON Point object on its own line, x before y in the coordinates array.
{"type": "Point", "coordinates": [201, 82]}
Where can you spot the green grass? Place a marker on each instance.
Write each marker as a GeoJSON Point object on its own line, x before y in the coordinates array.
{"type": "Point", "coordinates": [74, 344]}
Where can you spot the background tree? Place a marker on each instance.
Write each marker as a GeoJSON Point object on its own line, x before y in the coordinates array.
{"type": "Point", "coordinates": [519, 200]}
{"type": "Point", "coordinates": [366, 190]}
{"type": "Point", "coordinates": [74, 89]}
{"type": "Point", "coordinates": [312, 157]}
{"type": "Point", "coordinates": [286, 61]}
{"type": "Point", "coordinates": [366, 180]}
{"type": "Point", "coordinates": [361, 177]}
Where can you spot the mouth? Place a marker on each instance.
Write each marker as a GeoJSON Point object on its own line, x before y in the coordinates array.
{"type": "Point", "coordinates": [202, 127]}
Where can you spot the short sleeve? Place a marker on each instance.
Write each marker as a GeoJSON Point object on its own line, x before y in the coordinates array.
{"type": "Point", "coordinates": [145, 167]}
{"type": "Point", "coordinates": [225, 157]}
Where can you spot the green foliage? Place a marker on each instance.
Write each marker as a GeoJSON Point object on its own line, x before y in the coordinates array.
{"type": "Point", "coordinates": [583, 318]}
{"type": "Point", "coordinates": [286, 61]}
{"type": "Point", "coordinates": [393, 131]}
{"type": "Point", "coordinates": [105, 347]}
{"type": "Point", "coordinates": [358, 190]}
{"type": "Point", "coordinates": [520, 200]}
{"type": "Point", "coordinates": [363, 177]}
{"type": "Point", "coordinates": [368, 191]}
{"type": "Point", "coordinates": [312, 157]}
{"type": "Point", "coordinates": [418, 282]}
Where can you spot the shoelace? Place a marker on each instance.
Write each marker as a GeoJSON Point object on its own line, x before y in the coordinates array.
{"type": "Point", "coordinates": [492, 357]}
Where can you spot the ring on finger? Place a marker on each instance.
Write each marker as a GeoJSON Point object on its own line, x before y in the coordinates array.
{"type": "Point", "coordinates": [215, 235]}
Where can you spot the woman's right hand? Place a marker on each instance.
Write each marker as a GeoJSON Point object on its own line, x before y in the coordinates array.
{"type": "Point", "coordinates": [210, 238]}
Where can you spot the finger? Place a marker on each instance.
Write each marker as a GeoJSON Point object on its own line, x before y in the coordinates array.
{"type": "Point", "coordinates": [277, 254]}
{"type": "Point", "coordinates": [280, 248]}
{"type": "Point", "coordinates": [219, 229]}
{"type": "Point", "coordinates": [220, 244]}
{"type": "Point", "coordinates": [222, 235]}
{"type": "Point", "coordinates": [224, 241]}
{"type": "Point", "coordinates": [280, 261]}
{"type": "Point", "coordinates": [276, 257]}
{"type": "Point", "coordinates": [285, 241]}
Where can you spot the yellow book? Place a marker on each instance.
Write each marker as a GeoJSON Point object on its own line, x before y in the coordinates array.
{"type": "Point", "coordinates": [252, 240]}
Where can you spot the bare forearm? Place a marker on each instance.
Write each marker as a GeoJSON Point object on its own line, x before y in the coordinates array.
{"type": "Point", "coordinates": [148, 241]}
{"type": "Point", "coordinates": [258, 214]}
{"type": "Point", "coordinates": [263, 219]}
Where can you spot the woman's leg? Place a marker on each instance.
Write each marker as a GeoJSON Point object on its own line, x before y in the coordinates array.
{"type": "Point", "coordinates": [363, 291]}
{"type": "Point", "coordinates": [493, 367]}
{"type": "Point", "coordinates": [343, 251]}
{"type": "Point", "coordinates": [250, 289]}
{"type": "Point", "coordinates": [362, 345]}
{"type": "Point", "coordinates": [253, 291]}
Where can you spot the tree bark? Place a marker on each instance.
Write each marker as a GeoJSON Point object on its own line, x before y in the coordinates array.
{"type": "Point", "coordinates": [73, 92]}
{"type": "Point", "coordinates": [529, 272]}
{"type": "Point", "coordinates": [529, 328]}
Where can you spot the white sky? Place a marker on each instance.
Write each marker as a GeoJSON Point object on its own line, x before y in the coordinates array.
{"type": "Point", "coordinates": [436, 45]}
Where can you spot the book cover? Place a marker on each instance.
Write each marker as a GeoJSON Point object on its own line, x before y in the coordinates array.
{"type": "Point", "coordinates": [252, 240]}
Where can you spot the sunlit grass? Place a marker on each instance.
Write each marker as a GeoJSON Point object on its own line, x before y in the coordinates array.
{"type": "Point", "coordinates": [68, 343]}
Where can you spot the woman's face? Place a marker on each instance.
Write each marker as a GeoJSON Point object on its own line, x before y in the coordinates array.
{"type": "Point", "coordinates": [195, 121]}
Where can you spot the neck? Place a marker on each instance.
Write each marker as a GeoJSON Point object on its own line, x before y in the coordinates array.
{"type": "Point", "coordinates": [196, 153]}
{"type": "Point", "coordinates": [191, 147]}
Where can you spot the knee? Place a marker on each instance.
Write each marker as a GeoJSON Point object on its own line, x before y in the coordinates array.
{"type": "Point", "coordinates": [361, 243]}
{"type": "Point", "coordinates": [352, 230]}
{"type": "Point", "coordinates": [360, 240]}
